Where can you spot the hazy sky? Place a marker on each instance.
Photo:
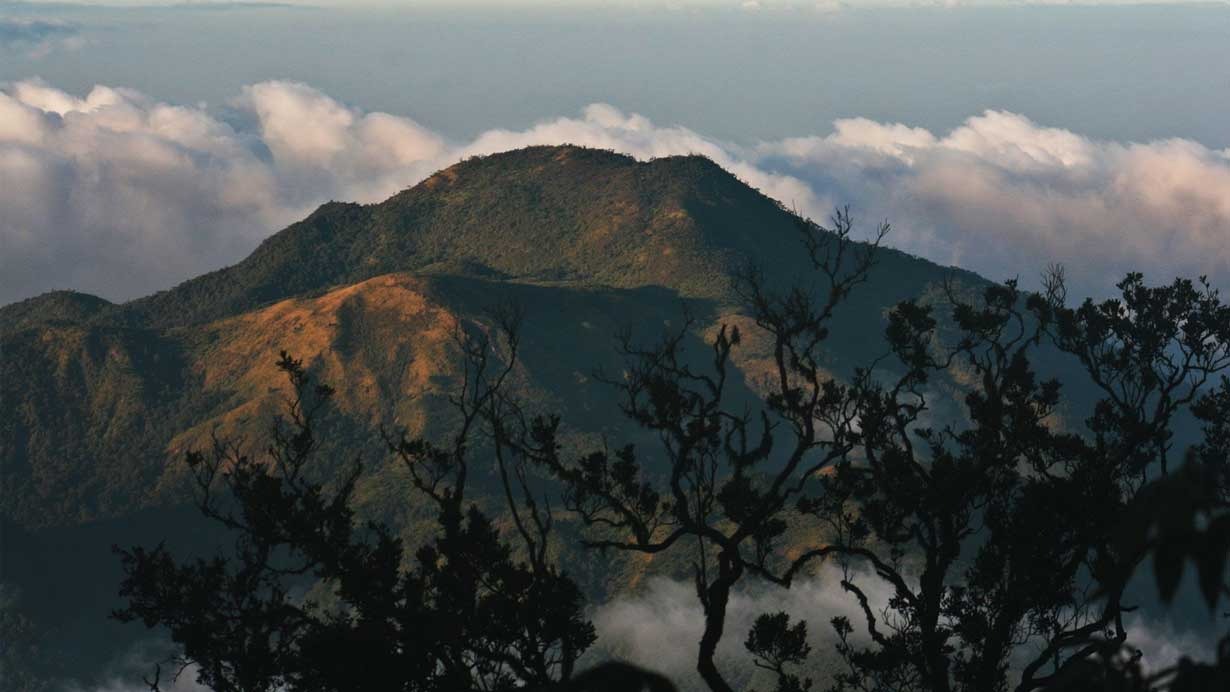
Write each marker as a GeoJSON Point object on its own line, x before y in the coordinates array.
{"type": "Point", "coordinates": [1127, 73]}
{"type": "Point", "coordinates": [998, 136]}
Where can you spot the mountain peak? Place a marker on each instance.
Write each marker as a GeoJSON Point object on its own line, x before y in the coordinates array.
{"type": "Point", "coordinates": [538, 214]}
{"type": "Point", "coordinates": [548, 161]}
{"type": "Point", "coordinates": [542, 214]}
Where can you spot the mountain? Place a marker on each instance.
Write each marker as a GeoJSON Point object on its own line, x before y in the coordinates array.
{"type": "Point", "coordinates": [558, 215]}
{"type": "Point", "coordinates": [543, 214]}
{"type": "Point", "coordinates": [97, 397]}
{"type": "Point", "coordinates": [99, 401]}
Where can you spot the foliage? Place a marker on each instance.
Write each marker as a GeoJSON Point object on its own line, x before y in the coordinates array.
{"type": "Point", "coordinates": [464, 615]}
{"type": "Point", "coordinates": [996, 536]}
{"type": "Point", "coordinates": [69, 394]}
{"type": "Point", "coordinates": [1178, 518]}
{"type": "Point", "coordinates": [776, 644]}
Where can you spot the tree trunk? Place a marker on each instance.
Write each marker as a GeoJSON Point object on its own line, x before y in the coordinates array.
{"type": "Point", "coordinates": [717, 596]}
{"type": "Point", "coordinates": [935, 662]}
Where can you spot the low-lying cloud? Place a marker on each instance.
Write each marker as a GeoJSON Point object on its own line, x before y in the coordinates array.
{"type": "Point", "coordinates": [131, 671]}
{"type": "Point", "coordinates": [1004, 196]}
{"type": "Point", "coordinates": [119, 194]}
{"type": "Point", "coordinates": [659, 628]}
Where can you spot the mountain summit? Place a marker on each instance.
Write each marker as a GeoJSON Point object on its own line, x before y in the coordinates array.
{"type": "Point", "coordinates": [543, 214]}
{"type": "Point", "coordinates": [563, 215]}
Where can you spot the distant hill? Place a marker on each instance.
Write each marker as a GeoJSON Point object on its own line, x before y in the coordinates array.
{"type": "Point", "coordinates": [98, 401]}
{"type": "Point", "coordinates": [57, 307]}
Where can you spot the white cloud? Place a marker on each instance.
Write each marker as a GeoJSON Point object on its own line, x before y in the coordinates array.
{"type": "Point", "coordinates": [1162, 644]}
{"type": "Point", "coordinates": [1004, 196]}
{"type": "Point", "coordinates": [318, 143]}
{"type": "Point", "coordinates": [119, 194]}
{"type": "Point", "coordinates": [141, 661]}
{"type": "Point", "coordinates": [660, 626]}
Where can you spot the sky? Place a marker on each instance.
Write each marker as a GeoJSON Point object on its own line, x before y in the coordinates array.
{"type": "Point", "coordinates": [142, 145]}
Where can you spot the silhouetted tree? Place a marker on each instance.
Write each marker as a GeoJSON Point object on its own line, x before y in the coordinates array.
{"type": "Point", "coordinates": [724, 483]}
{"type": "Point", "coordinates": [776, 646]}
{"type": "Point", "coordinates": [997, 537]}
{"type": "Point", "coordinates": [994, 535]}
{"type": "Point", "coordinates": [465, 614]}
{"type": "Point", "coordinates": [1177, 518]}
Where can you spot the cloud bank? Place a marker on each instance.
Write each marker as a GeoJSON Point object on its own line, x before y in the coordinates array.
{"type": "Point", "coordinates": [119, 194]}
{"type": "Point", "coordinates": [659, 628]}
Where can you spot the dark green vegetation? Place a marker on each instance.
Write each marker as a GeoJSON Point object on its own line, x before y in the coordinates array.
{"type": "Point", "coordinates": [100, 403]}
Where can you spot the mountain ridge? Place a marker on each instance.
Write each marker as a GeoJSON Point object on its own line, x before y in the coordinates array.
{"type": "Point", "coordinates": [680, 221]}
{"type": "Point", "coordinates": [96, 393]}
